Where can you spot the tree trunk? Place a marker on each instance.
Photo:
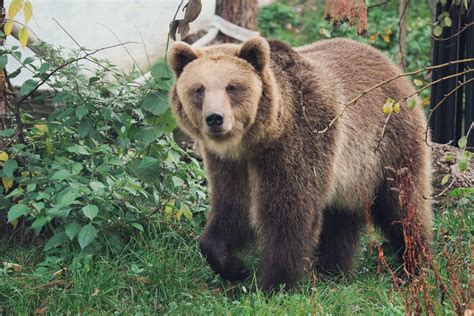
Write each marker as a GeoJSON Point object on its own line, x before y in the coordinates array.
{"type": "Point", "coordinates": [243, 13]}
{"type": "Point", "coordinates": [403, 31]}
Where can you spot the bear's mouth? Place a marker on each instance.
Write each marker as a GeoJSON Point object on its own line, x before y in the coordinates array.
{"type": "Point", "coordinates": [218, 134]}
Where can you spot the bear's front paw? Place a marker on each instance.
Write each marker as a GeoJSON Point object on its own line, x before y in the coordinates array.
{"type": "Point", "coordinates": [271, 281]}
{"type": "Point", "coordinates": [222, 261]}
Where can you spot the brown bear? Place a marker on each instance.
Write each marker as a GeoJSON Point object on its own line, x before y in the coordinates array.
{"type": "Point", "coordinates": [257, 111]}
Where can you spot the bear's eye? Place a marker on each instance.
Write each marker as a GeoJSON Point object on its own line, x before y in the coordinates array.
{"type": "Point", "coordinates": [231, 88]}
{"type": "Point", "coordinates": [199, 91]}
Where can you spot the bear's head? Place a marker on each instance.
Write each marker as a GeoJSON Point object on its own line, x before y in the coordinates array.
{"type": "Point", "coordinates": [218, 91]}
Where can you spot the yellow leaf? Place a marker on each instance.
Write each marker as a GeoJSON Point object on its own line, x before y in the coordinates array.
{"type": "Point", "coordinates": [324, 32]}
{"type": "Point", "coordinates": [27, 11]}
{"type": "Point", "coordinates": [23, 36]}
{"type": "Point", "coordinates": [13, 266]}
{"type": "Point", "coordinates": [396, 108]}
{"type": "Point", "coordinates": [7, 183]}
{"type": "Point", "coordinates": [49, 146]}
{"type": "Point", "coordinates": [179, 214]}
{"type": "Point", "coordinates": [387, 108]}
{"type": "Point", "coordinates": [8, 27]}
{"type": "Point", "coordinates": [425, 101]}
{"type": "Point", "coordinates": [187, 212]}
{"type": "Point", "coordinates": [14, 8]}
{"type": "Point", "coordinates": [386, 38]}
{"type": "Point", "coordinates": [42, 127]}
{"type": "Point", "coordinates": [3, 156]}
{"type": "Point", "coordinates": [418, 82]}
{"type": "Point", "coordinates": [169, 207]}
{"type": "Point", "coordinates": [25, 174]}
{"type": "Point", "coordinates": [14, 223]}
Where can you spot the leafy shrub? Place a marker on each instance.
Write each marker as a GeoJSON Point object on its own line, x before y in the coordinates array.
{"type": "Point", "coordinates": [103, 165]}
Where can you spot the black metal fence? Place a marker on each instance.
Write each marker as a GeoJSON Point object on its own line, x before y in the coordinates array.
{"type": "Point", "coordinates": [454, 116]}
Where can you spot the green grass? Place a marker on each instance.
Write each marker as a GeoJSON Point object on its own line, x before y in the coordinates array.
{"type": "Point", "coordinates": [162, 272]}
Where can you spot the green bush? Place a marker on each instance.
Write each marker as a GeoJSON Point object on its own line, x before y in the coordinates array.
{"type": "Point", "coordinates": [103, 165]}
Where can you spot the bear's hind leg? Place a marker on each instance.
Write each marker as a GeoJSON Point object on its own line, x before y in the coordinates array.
{"type": "Point", "coordinates": [338, 242]}
{"type": "Point", "coordinates": [390, 218]}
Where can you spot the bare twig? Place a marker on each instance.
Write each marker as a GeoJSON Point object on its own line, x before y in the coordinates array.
{"type": "Point", "coordinates": [377, 4]}
{"type": "Point", "coordinates": [462, 29]}
{"type": "Point", "coordinates": [128, 52]}
{"type": "Point", "coordinates": [417, 92]}
{"type": "Point", "coordinates": [384, 82]}
{"type": "Point", "coordinates": [169, 32]}
{"type": "Point", "coordinates": [383, 131]}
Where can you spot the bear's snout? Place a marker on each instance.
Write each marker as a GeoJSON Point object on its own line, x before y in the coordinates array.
{"type": "Point", "coordinates": [214, 119]}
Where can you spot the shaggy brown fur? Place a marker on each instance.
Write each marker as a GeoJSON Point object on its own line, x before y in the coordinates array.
{"type": "Point", "coordinates": [302, 194]}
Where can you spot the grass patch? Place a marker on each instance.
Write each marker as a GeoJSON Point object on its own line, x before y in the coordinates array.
{"type": "Point", "coordinates": [162, 272]}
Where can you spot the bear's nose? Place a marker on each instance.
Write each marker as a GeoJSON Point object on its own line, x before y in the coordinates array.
{"type": "Point", "coordinates": [214, 119]}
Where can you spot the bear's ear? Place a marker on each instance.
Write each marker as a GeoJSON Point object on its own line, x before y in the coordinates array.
{"type": "Point", "coordinates": [256, 52]}
{"type": "Point", "coordinates": [179, 55]}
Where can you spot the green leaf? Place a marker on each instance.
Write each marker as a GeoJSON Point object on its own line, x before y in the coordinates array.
{"type": "Point", "coordinates": [3, 61]}
{"type": "Point", "coordinates": [27, 87]}
{"type": "Point", "coordinates": [166, 122]}
{"type": "Point", "coordinates": [38, 224]}
{"type": "Point", "coordinates": [445, 180]}
{"type": "Point", "coordinates": [463, 165]}
{"type": "Point", "coordinates": [148, 169]}
{"type": "Point", "coordinates": [161, 71]}
{"type": "Point", "coordinates": [187, 212]}
{"type": "Point", "coordinates": [78, 149]}
{"type": "Point", "coordinates": [447, 21]}
{"type": "Point", "coordinates": [9, 132]}
{"type": "Point", "coordinates": [93, 80]}
{"type": "Point", "coordinates": [15, 73]}
{"type": "Point", "coordinates": [177, 182]}
{"type": "Point", "coordinates": [66, 197]}
{"type": "Point", "coordinates": [411, 103]}
{"type": "Point", "coordinates": [61, 97]}
{"type": "Point", "coordinates": [148, 134]}
{"type": "Point", "coordinates": [57, 240]}
{"type": "Point", "coordinates": [462, 142]}
{"type": "Point", "coordinates": [81, 111]}
{"type": "Point", "coordinates": [61, 175]}
{"type": "Point", "coordinates": [28, 60]}
{"type": "Point", "coordinates": [84, 129]}
{"type": "Point", "coordinates": [90, 211]}
{"type": "Point", "coordinates": [87, 234]}
{"type": "Point", "coordinates": [467, 155]}
{"type": "Point", "coordinates": [437, 31]}
{"type": "Point", "coordinates": [138, 226]}
{"type": "Point", "coordinates": [72, 229]}
{"type": "Point", "coordinates": [17, 211]}
{"type": "Point", "coordinates": [156, 103]}
{"type": "Point", "coordinates": [9, 167]}
{"type": "Point", "coordinates": [97, 186]}
{"type": "Point", "coordinates": [44, 68]}
{"type": "Point", "coordinates": [59, 212]}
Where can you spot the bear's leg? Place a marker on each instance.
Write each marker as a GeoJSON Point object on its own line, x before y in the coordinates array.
{"type": "Point", "coordinates": [389, 217]}
{"type": "Point", "coordinates": [288, 224]}
{"type": "Point", "coordinates": [286, 241]}
{"type": "Point", "coordinates": [228, 227]}
{"type": "Point", "coordinates": [338, 242]}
